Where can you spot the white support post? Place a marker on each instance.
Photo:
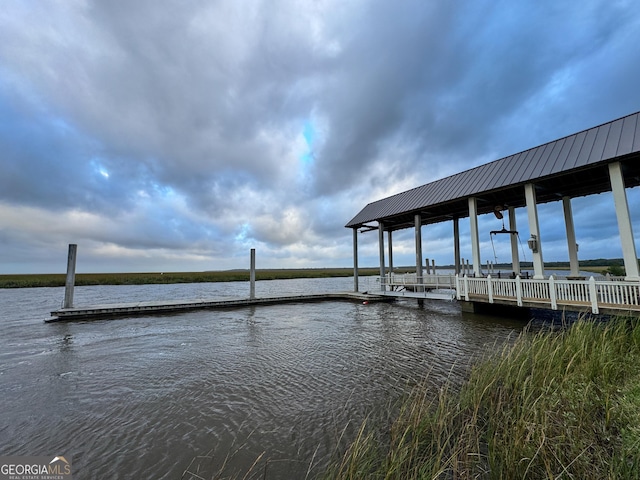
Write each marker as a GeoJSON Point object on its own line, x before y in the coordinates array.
{"type": "Point", "coordinates": [489, 288]}
{"type": "Point", "coordinates": [593, 296]}
{"type": "Point", "coordinates": [381, 245]}
{"type": "Point", "coordinates": [418, 237]}
{"type": "Point", "coordinates": [390, 250]}
{"type": "Point", "coordinates": [624, 222]}
{"type": "Point", "coordinates": [456, 245]}
{"type": "Point", "coordinates": [458, 296]}
{"type": "Point", "coordinates": [252, 275]}
{"type": "Point", "coordinates": [519, 290]}
{"type": "Point", "coordinates": [571, 237]}
{"type": "Point", "coordinates": [355, 260]}
{"type": "Point", "coordinates": [515, 257]}
{"type": "Point", "coordinates": [552, 293]}
{"type": "Point", "coordinates": [534, 229]}
{"type": "Point", "coordinates": [475, 237]}
{"type": "Point", "coordinates": [466, 288]}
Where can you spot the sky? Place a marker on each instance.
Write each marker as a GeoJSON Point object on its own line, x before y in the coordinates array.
{"type": "Point", "coordinates": [166, 135]}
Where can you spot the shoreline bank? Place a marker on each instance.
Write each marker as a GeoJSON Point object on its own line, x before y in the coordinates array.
{"type": "Point", "coordinates": [32, 280]}
{"type": "Point", "coordinates": [156, 278]}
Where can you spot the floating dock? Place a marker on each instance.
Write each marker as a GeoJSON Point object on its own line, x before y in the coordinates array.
{"type": "Point", "coordinates": [174, 306]}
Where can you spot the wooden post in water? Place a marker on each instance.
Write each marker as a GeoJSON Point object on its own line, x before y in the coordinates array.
{"type": "Point", "coordinates": [252, 275]}
{"type": "Point", "coordinates": [71, 276]}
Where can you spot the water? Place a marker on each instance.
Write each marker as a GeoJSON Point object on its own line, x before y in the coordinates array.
{"type": "Point", "coordinates": [143, 397]}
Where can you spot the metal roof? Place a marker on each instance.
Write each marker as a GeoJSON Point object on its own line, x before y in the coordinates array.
{"type": "Point", "coordinates": [572, 166]}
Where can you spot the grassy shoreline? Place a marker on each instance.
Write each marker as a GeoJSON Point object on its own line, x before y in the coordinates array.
{"type": "Point", "coordinates": [58, 279]}
{"type": "Point", "coordinates": [553, 405]}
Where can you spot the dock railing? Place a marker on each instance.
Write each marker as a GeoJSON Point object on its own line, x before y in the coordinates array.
{"type": "Point", "coordinates": [434, 287]}
{"type": "Point", "coordinates": [552, 292]}
{"type": "Point", "coordinates": [410, 281]}
{"type": "Point", "coordinates": [556, 293]}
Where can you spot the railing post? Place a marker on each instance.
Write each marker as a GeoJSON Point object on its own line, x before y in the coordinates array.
{"type": "Point", "coordinates": [593, 296]}
{"type": "Point", "coordinates": [466, 287]}
{"type": "Point", "coordinates": [489, 288]}
{"type": "Point", "coordinates": [458, 297]}
{"type": "Point", "coordinates": [552, 293]}
{"type": "Point", "coordinates": [519, 290]}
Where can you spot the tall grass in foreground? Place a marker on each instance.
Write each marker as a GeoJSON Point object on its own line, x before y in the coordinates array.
{"type": "Point", "coordinates": [553, 405]}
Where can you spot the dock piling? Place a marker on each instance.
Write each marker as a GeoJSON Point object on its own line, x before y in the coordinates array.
{"type": "Point", "coordinates": [71, 276]}
{"type": "Point", "coordinates": [252, 275]}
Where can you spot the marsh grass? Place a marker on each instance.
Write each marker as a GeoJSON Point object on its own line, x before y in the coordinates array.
{"type": "Point", "coordinates": [553, 405]}
{"type": "Point", "coordinates": [58, 280]}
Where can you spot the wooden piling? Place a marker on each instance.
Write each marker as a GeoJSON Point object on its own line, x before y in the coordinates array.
{"type": "Point", "coordinates": [252, 275]}
{"type": "Point", "coordinates": [71, 276]}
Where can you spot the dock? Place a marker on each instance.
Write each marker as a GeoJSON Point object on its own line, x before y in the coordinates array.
{"type": "Point", "coordinates": [177, 306]}
{"type": "Point", "coordinates": [604, 158]}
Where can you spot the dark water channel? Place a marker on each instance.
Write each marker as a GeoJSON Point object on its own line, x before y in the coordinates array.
{"type": "Point", "coordinates": [141, 397]}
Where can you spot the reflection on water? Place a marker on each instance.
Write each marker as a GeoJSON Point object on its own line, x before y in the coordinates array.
{"type": "Point", "coordinates": [140, 397]}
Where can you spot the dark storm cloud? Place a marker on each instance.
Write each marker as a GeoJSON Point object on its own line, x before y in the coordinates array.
{"type": "Point", "coordinates": [452, 79]}
{"type": "Point", "coordinates": [46, 161]}
{"type": "Point", "coordinates": [192, 126]}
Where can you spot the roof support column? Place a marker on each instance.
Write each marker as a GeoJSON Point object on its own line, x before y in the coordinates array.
{"type": "Point", "coordinates": [574, 265]}
{"type": "Point", "coordinates": [515, 257]}
{"type": "Point", "coordinates": [381, 245]}
{"type": "Point", "coordinates": [475, 237]}
{"type": "Point", "coordinates": [390, 249]}
{"type": "Point", "coordinates": [624, 222]}
{"type": "Point", "coordinates": [355, 260]}
{"type": "Point", "coordinates": [456, 245]}
{"type": "Point", "coordinates": [534, 229]}
{"type": "Point", "coordinates": [418, 227]}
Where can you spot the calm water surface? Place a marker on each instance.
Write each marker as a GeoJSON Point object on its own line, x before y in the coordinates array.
{"type": "Point", "coordinates": [142, 397]}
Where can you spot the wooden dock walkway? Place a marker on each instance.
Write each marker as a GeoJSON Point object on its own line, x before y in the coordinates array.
{"type": "Point", "coordinates": [173, 306]}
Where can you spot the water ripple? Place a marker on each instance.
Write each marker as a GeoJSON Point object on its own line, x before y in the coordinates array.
{"type": "Point", "coordinates": [144, 396]}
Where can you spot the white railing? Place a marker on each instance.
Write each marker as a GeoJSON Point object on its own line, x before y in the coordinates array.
{"type": "Point", "coordinates": [612, 293]}
{"type": "Point", "coordinates": [410, 281]}
{"type": "Point", "coordinates": [617, 294]}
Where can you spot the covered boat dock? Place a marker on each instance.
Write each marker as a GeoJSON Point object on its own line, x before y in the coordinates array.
{"type": "Point", "coordinates": [600, 159]}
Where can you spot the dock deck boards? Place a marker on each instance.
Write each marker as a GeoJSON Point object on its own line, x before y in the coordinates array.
{"type": "Point", "coordinates": [166, 306]}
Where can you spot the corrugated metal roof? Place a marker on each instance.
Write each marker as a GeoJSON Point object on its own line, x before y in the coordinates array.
{"type": "Point", "coordinates": [574, 165]}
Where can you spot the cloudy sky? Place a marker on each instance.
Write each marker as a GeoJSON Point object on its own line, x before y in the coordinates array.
{"type": "Point", "coordinates": [176, 135]}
